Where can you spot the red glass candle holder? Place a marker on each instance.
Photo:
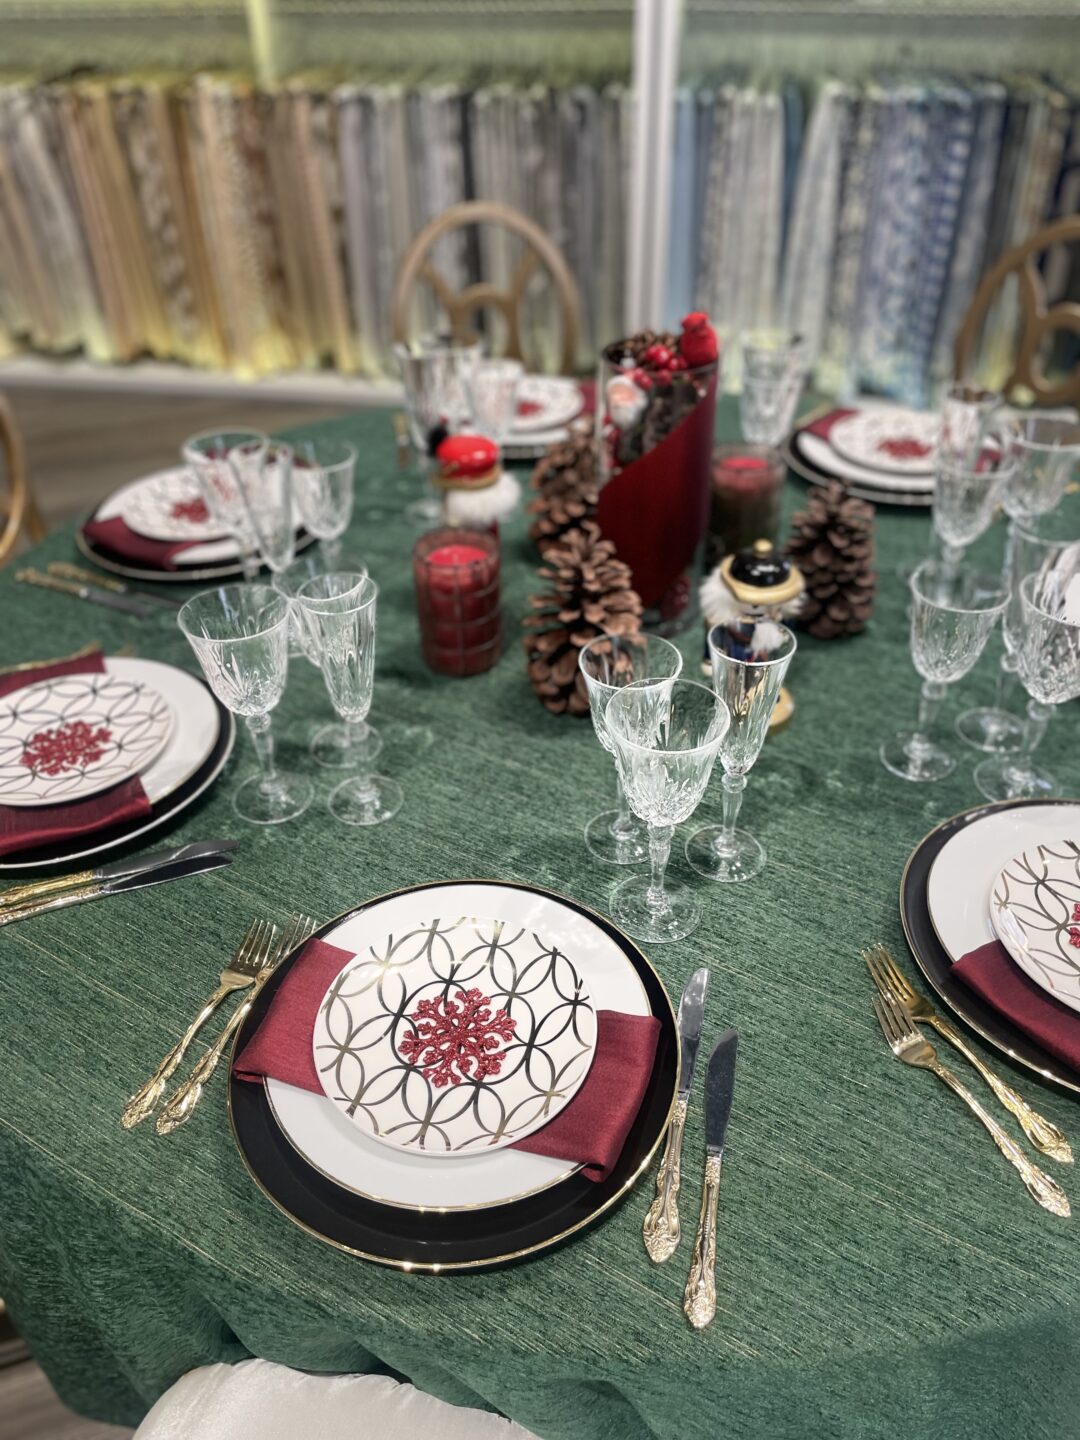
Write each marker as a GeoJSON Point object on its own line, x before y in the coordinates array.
{"type": "Point", "coordinates": [747, 490]}
{"type": "Point", "coordinates": [457, 600]}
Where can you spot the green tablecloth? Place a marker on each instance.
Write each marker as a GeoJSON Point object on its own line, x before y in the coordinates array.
{"type": "Point", "coordinates": [881, 1271]}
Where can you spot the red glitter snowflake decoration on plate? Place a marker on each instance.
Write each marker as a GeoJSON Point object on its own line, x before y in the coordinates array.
{"type": "Point", "coordinates": [194, 510]}
{"type": "Point", "coordinates": [72, 746]}
{"type": "Point", "coordinates": [458, 1039]}
{"type": "Point", "coordinates": [904, 447]}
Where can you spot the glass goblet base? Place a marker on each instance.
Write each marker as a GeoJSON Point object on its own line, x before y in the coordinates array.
{"type": "Point", "coordinates": [633, 910]}
{"type": "Point", "coordinates": [271, 802]}
{"type": "Point", "coordinates": [913, 757]}
{"type": "Point", "coordinates": [337, 749]}
{"type": "Point", "coordinates": [626, 847]}
{"type": "Point", "coordinates": [366, 800]}
{"type": "Point", "coordinates": [742, 861]}
{"type": "Point", "coordinates": [425, 513]}
{"type": "Point", "coordinates": [993, 730]}
{"type": "Point", "coordinates": [1004, 778]}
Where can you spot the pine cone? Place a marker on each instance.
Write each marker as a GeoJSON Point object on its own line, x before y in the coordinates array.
{"type": "Point", "coordinates": [637, 344]}
{"type": "Point", "coordinates": [832, 543]}
{"type": "Point", "coordinates": [586, 593]}
{"type": "Point", "coordinates": [566, 492]}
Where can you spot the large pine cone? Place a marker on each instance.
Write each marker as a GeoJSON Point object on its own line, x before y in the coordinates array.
{"type": "Point", "coordinates": [566, 490]}
{"type": "Point", "coordinates": [832, 543]}
{"type": "Point", "coordinates": [586, 593]}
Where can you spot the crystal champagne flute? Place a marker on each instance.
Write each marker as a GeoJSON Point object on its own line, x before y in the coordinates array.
{"type": "Point", "coordinates": [223, 461]}
{"type": "Point", "coordinates": [340, 610]}
{"type": "Point", "coordinates": [666, 739]}
{"type": "Point", "coordinates": [607, 664]}
{"type": "Point", "coordinates": [324, 476]}
{"type": "Point", "coordinates": [750, 658]}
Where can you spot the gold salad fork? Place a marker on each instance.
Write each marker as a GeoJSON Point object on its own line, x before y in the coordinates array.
{"type": "Point", "coordinates": [180, 1105]}
{"type": "Point", "coordinates": [889, 979]}
{"type": "Point", "coordinates": [908, 1045]}
{"type": "Point", "coordinates": [250, 957]}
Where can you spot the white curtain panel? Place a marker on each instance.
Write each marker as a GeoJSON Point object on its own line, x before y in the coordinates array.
{"type": "Point", "coordinates": [257, 1400]}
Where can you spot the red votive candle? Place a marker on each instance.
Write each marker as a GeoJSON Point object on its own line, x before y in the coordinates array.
{"type": "Point", "coordinates": [457, 600]}
{"type": "Point", "coordinates": [747, 484]}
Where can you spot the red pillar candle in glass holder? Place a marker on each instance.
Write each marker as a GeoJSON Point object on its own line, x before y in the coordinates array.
{"type": "Point", "coordinates": [457, 600]}
{"type": "Point", "coordinates": [746, 491]}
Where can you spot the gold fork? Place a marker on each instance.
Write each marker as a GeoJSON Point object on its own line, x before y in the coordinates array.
{"type": "Point", "coordinates": [908, 1045]}
{"type": "Point", "coordinates": [888, 978]}
{"type": "Point", "coordinates": [178, 1108]}
{"type": "Point", "coordinates": [238, 974]}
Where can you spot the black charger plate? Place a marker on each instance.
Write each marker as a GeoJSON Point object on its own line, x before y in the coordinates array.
{"type": "Point", "coordinates": [107, 559]}
{"type": "Point", "coordinates": [936, 964]}
{"type": "Point", "coordinates": [454, 1240]}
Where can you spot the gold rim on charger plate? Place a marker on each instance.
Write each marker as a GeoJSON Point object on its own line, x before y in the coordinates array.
{"type": "Point", "coordinates": [987, 805]}
{"type": "Point", "coordinates": [489, 1260]}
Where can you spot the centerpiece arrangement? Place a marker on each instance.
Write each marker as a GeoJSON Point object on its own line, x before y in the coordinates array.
{"type": "Point", "coordinates": [654, 442]}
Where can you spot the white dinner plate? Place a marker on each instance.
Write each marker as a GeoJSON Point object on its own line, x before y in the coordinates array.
{"type": "Point", "coordinates": [819, 453]}
{"type": "Point", "coordinates": [194, 739]}
{"type": "Point", "coordinates": [75, 735]}
{"type": "Point", "coordinates": [545, 402]}
{"type": "Point", "coordinates": [339, 1149]}
{"type": "Point", "coordinates": [169, 505]}
{"type": "Point", "coordinates": [1035, 913]}
{"type": "Point", "coordinates": [208, 552]}
{"type": "Point", "coordinates": [965, 870]}
{"type": "Point", "coordinates": [888, 438]}
{"type": "Point", "coordinates": [453, 1032]}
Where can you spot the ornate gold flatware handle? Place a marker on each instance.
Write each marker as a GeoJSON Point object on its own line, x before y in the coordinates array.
{"type": "Point", "coordinates": [699, 1297]}
{"type": "Point", "coordinates": [180, 1105]}
{"type": "Point", "coordinates": [144, 1101]}
{"type": "Point", "coordinates": [67, 571]}
{"type": "Point", "coordinates": [1040, 1186]}
{"type": "Point", "coordinates": [1042, 1133]}
{"type": "Point", "coordinates": [661, 1231]}
{"type": "Point", "coordinates": [10, 913]}
{"type": "Point", "coordinates": [35, 889]}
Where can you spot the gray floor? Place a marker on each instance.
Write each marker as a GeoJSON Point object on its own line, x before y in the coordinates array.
{"type": "Point", "coordinates": [79, 446]}
{"type": "Point", "coordinates": [82, 444]}
{"type": "Point", "coordinates": [29, 1410]}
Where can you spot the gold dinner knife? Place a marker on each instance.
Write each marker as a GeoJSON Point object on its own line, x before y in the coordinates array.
{"type": "Point", "coordinates": [699, 1297]}
{"type": "Point", "coordinates": [661, 1230]}
{"type": "Point", "coordinates": [67, 571]}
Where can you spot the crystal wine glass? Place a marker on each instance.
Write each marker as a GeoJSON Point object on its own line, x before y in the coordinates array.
{"type": "Point", "coordinates": [608, 663]}
{"type": "Point", "coordinates": [268, 489]}
{"type": "Point", "coordinates": [224, 462]}
{"type": "Point", "coordinates": [239, 634]}
{"type": "Point", "coordinates": [323, 475]}
{"type": "Point", "coordinates": [340, 611]}
{"type": "Point", "coordinates": [750, 658]}
{"type": "Point", "coordinates": [773, 370]}
{"type": "Point", "coordinates": [435, 373]}
{"type": "Point", "coordinates": [953, 610]}
{"type": "Point", "coordinates": [666, 738]}
{"type": "Point", "coordinates": [966, 497]}
{"type": "Point", "coordinates": [1044, 452]}
{"type": "Point", "coordinates": [1046, 625]}
{"type": "Point", "coordinates": [492, 387]}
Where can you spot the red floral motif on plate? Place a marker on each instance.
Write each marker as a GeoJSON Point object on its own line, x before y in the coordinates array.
{"type": "Point", "coordinates": [72, 746]}
{"type": "Point", "coordinates": [194, 510]}
{"type": "Point", "coordinates": [528, 407]}
{"type": "Point", "coordinates": [458, 1039]}
{"type": "Point", "coordinates": [904, 447]}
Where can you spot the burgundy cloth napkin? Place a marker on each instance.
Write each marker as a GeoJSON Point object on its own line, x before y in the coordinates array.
{"type": "Point", "coordinates": [824, 424]}
{"type": "Point", "coordinates": [31, 826]}
{"type": "Point", "coordinates": [591, 1129]}
{"type": "Point", "coordinates": [117, 535]}
{"type": "Point", "coordinates": [991, 973]}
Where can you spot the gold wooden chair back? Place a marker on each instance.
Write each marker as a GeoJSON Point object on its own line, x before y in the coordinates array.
{"type": "Point", "coordinates": [1037, 321]}
{"type": "Point", "coordinates": [461, 307]}
{"type": "Point", "coordinates": [17, 509]}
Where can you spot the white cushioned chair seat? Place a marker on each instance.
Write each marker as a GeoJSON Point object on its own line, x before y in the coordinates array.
{"type": "Point", "coordinates": [257, 1400]}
